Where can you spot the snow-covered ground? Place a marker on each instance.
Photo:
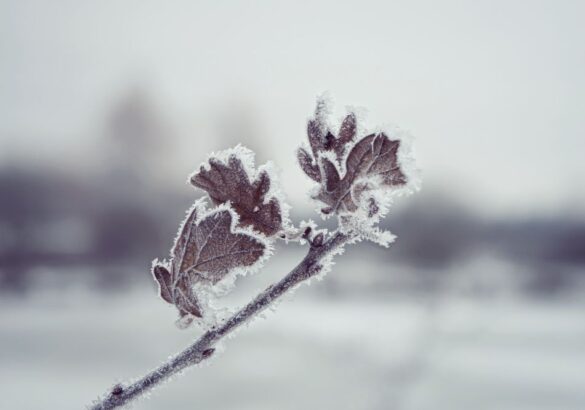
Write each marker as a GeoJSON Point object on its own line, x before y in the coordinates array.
{"type": "Point", "coordinates": [375, 352]}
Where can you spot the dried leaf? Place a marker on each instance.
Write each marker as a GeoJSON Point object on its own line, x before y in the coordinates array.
{"type": "Point", "coordinates": [348, 129]}
{"type": "Point", "coordinates": [373, 161]}
{"type": "Point", "coordinates": [369, 163]}
{"type": "Point", "coordinates": [376, 154]}
{"type": "Point", "coordinates": [163, 277]}
{"type": "Point", "coordinates": [185, 299]}
{"type": "Point", "coordinates": [308, 165]}
{"type": "Point", "coordinates": [213, 249]}
{"type": "Point", "coordinates": [322, 139]}
{"type": "Point", "coordinates": [347, 133]}
{"type": "Point", "coordinates": [181, 242]}
{"type": "Point", "coordinates": [331, 176]}
{"type": "Point", "coordinates": [177, 291]}
{"type": "Point", "coordinates": [316, 136]}
{"type": "Point", "coordinates": [231, 183]}
{"type": "Point", "coordinates": [206, 249]}
{"type": "Point", "coordinates": [317, 129]}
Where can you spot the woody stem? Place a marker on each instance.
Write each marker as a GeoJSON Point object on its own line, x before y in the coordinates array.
{"type": "Point", "coordinates": [203, 347]}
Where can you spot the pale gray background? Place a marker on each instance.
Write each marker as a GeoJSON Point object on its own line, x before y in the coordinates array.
{"type": "Point", "coordinates": [107, 106]}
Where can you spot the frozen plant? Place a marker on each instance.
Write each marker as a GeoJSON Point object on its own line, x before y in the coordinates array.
{"type": "Point", "coordinates": [356, 174]}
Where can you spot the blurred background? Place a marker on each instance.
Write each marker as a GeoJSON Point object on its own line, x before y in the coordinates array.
{"type": "Point", "coordinates": [106, 107]}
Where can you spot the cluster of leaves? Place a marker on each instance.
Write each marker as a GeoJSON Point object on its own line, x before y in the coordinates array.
{"type": "Point", "coordinates": [347, 167]}
{"type": "Point", "coordinates": [351, 171]}
{"type": "Point", "coordinates": [235, 235]}
{"type": "Point", "coordinates": [355, 175]}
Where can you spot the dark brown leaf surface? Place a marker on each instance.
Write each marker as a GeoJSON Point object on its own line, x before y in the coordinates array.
{"type": "Point", "coordinates": [212, 249]}
{"type": "Point", "coordinates": [165, 285]}
{"type": "Point", "coordinates": [204, 251]}
{"type": "Point", "coordinates": [308, 165]}
{"type": "Point", "coordinates": [373, 159]}
{"type": "Point", "coordinates": [321, 139]}
{"type": "Point", "coordinates": [231, 183]}
{"type": "Point", "coordinates": [185, 299]}
{"type": "Point", "coordinates": [178, 292]}
{"type": "Point", "coordinates": [346, 135]}
{"type": "Point", "coordinates": [371, 162]}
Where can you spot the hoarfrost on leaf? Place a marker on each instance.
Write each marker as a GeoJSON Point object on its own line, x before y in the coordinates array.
{"type": "Point", "coordinates": [210, 245]}
{"type": "Point", "coordinates": [371, 164]}
{"type": "Point", "coordinates": [230, 177]}
{"type": "Point", "coordinates": [357, 172]}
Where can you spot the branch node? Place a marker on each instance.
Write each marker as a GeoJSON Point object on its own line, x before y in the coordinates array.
{"type": "Point", "coordinates": [317, 240]}
{"type": "Point", "coordinates": [307, 232]}
{"type": "Point", "coordinates": [117, 390]}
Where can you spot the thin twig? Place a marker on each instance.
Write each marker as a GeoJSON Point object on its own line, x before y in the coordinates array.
{"type": "Point", "coordinates": [203, 347]}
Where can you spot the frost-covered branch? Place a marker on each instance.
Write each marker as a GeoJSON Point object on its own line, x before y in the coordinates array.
{"type": "Point", "coordinates": [231, 232]}
{"type": "Point", "coordinates": [203, 347]}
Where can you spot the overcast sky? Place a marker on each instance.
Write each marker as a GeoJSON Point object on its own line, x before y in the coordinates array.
{"type": "Point", "coordinates": [493, 91]}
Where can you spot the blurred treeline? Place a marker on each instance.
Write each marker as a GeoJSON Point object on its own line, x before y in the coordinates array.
{"type": "Point", "coordinates": [110, 226]}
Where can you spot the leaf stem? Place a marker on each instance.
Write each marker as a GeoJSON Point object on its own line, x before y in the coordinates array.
{"type": "Point", "coordinates": [203, 347]}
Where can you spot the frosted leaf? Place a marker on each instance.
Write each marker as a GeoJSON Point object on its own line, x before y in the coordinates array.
{"type": "Point", "coordinates": [308, 165]}
{"type": "Point", "coordinates": [350, 167]}
{"type": "Point", "coordinates": [317, 127]}
{"type": "Point", "coordinates": [163, 278]}
{"type": "Point", "coordinates": [213, 249]}
{"type": "Point", "coordinates": [185, 299]}
{"type": "Point", "coordinates": [178, 292]}
{"type": "Point", "coordinates": [371, 163]}
{"type": "Point", "coordinates": [347, 132]}
{"type": "Point", "coordinates": [226, 180]}
{"type": "Point", "coordinates": [208, 248]}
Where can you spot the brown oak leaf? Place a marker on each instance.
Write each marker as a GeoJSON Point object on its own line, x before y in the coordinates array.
{"type": "Point", "coordinates": [317, 128]}
{"type": "Point", "coordinates": [205, 250]}
{"type": "Point", "coordinates": [177, 291]}
{"type": "Point", "coordinates": [165, 284]}
{"type": "Point", "coordinates": [308, 165]}
{"type": "Point", "coordinates": [321, 138]}
{"type": "Point", "coordinates": [347, 133]}
{"type": "Point", "coordinates": [230, 183]}
{"type": "Point", "coordinates": [371, 162]}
